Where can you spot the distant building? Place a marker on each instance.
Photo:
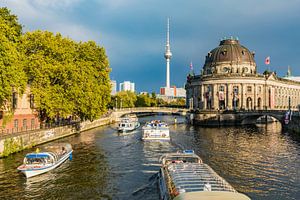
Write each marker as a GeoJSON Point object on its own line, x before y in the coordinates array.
{"type": "Point", "coordinates": [173, 92]}
{"type": "Point", "coordinates": [290, 77]}
{"type": "Point", "coordinates": [127, 86]}
{"type": "Point", "coordinates": [113, 87]}
{"type": "Point", "coordinates": [24, 117]}
{"type": "Point", "coordinates": [181, 92]}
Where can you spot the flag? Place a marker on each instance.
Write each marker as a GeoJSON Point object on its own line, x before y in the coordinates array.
{"type": "Point", "coordinates": [191, 66]}
{"type": "Point", "coordinates": [267, 61]}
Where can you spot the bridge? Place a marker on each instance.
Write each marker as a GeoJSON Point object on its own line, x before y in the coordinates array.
{"type": "Point", "coordinates": [223, 118]}
{"type": "Point", "coordinates": [117, 113]}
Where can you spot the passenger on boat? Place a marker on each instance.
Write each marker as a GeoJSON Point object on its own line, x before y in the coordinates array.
{"type": "Point", "coordinates": [63, 150]}
{"type": "Point", "coordinates": [207, 187]}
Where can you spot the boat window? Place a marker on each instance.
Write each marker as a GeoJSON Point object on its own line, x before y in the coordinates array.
{"type": "Point", "coordinates": [35, 161]}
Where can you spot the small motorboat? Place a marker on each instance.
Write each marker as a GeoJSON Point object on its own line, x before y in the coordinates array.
{"type": "Point", "coordinates": [128, 123]}
{"type": "Point", "coordinates": [41, 162]}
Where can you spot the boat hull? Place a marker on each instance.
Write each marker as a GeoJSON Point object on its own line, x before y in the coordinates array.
{"type": "Point", "coordinates": [156, 135]}
{"type": "Point", "coordinates": [157, 139]}
{"type": "Point", "coordinates": [37, 171]}
{"type": "Point", "coordinates": [163, 190]}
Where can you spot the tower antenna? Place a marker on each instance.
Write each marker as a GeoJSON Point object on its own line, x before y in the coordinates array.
{"type": "Point", "coordinates": [168, 55]}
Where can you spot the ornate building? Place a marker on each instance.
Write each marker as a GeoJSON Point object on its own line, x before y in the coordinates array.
{"type": "Point", "coordinates": [229, 80]}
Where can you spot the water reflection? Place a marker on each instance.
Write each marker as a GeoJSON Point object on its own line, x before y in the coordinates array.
{"type": "Point", "coordinates": [260, 161]}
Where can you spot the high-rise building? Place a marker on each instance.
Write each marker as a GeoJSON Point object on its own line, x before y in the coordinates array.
{"type": "Point", "coordinates": [127, 86]}
{"type": "Point", "coordinates": [113, 87]}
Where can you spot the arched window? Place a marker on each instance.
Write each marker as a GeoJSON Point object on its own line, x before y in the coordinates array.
{"type": "Point", "coordinates": [259, 103]}
{"type": "Point", "coordinates": [249, 103]}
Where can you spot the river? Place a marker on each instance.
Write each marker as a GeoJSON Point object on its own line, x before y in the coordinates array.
{"type": "Point", "coordinates": [260, 161]}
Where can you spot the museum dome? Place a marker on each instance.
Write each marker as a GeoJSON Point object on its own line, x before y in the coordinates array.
{"type": "Point", "coordinates": [229, 57]}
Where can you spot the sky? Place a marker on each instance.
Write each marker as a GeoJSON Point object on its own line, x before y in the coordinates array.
{"type": "Point", "coordinates": [133, 32]}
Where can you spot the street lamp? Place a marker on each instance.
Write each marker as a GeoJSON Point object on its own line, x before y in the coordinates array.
{"type": "Point", "coordinates": [289, 103]}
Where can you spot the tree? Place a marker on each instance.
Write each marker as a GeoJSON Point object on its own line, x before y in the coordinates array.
{"type": "Point", "coordinates": [179, 102]}
{"type": "Point", "coordinates": [126, 99]}
{"type": "Point", "coordinates": [92, 75]}
{"type": "Point", "coordinates": [12, 76]}
{"type": "Point", "coordinates": [160, 102]}
{"type": "Point", "coordinates": [11, 21]}
{"type": "Point", "coordinates": [153, 100]}
{"type": "Point", "coordinates": [66, 77]}
{"type": "Point", "coordinates": [143, 101]}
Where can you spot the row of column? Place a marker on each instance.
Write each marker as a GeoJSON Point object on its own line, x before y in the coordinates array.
{"type": "Point", "coordinates": [209, 98]}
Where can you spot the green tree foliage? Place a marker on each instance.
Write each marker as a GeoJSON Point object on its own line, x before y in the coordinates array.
{"type": "Point", "coordinates": [179, 102]}
{"type": "Point", "coordinates": [126, 99]}
{"type": "Point", "coordinates": [12, 76]}
{"type": "Point", "coordinates": [92, 92]}
{"type": "Point", "coordinates": [143, 100]}
{"type": "Point", "coordinates": [153, 100]}
{"type": "Point", "coordinates": [66, 77]}
{"type": "Point", "coordinates": [12, 22]}
{"type": "Point", "coordinates": [160, 102]}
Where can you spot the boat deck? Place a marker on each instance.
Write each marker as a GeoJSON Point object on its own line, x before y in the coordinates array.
{"type": "Point", "coordinates": [193, 177]}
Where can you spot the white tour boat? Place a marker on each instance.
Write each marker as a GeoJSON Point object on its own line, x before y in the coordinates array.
{"type": "Point", "coordinates": [41, 162]}
{"type": "Point", "coordinates": [128, 123]}
{"type": "Point", "coordinates": [183, 176]}
{"type": "Point", "coordinates": [156, 130]}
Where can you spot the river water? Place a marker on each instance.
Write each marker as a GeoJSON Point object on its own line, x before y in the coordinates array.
{"type": "Point", "coordinates": [260, 161]}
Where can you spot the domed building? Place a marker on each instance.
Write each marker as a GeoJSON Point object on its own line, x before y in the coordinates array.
{"type": "Point", "coordinates": [229, 80]}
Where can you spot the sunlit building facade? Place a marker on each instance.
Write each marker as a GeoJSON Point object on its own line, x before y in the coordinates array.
{"type": "Point", "coordinates": [20, 114]}
{"type": "Point", "coordinates": [127, 86]}
{"type": "Point", "coordinates": [229, 81]}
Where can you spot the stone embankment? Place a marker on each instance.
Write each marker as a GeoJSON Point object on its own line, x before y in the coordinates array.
{"type": "Point", "coordinates": [14, 143]}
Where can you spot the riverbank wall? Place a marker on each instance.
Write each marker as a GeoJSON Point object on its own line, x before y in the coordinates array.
{"type": "Point", "coordinates": [17, 142]}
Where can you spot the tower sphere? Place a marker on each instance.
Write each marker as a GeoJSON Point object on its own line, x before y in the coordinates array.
{"type": "Point", "coordinates": [168, 54]}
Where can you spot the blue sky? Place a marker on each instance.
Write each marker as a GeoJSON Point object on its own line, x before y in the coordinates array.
{"type": "Point", "coordinates": [133, 32]}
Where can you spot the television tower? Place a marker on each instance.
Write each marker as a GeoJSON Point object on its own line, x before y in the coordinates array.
{"type": "Point", "coordinates": [168, 55]}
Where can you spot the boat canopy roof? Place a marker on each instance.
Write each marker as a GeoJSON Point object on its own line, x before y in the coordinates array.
{"type": "Point", "coordinates": [208, 195]}
{"type": "Point", "coordinates": [37, 155]}
{"type": "Point", "coordinates": [192, 177]}
{"type": "Point", "coordinates": [186, 155]}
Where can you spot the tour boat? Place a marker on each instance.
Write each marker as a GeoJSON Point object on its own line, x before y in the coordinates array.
{"type": "Point", "coordinates": [184, 176]}
{"type": "Point", "coordinates": [128, 123]}
{"type": "Point", "coordinates": [41, 162]}
{"type": "Point", "coordinates": [156, 130]}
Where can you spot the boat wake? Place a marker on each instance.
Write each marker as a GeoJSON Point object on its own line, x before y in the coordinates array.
{"type": "Point", "coordinates": [146, 187]}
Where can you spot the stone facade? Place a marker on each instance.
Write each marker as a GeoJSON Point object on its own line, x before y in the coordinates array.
{"type": "Point", "coordinates": [229, 81]}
